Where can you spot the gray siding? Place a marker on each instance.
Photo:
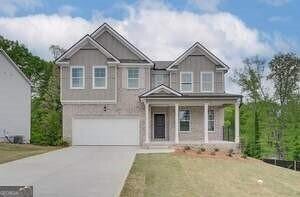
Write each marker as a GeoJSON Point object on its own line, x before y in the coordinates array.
{"type": "Point", "coordinates": [159, 73]}
{"type": "Point", "coordinates": [128, 104]}
{"type": "Point", "coordinates": [88, 59]}
{"type": "Point", "coordinates": [115, 47]}
{"type": "Point", "coordinates": [197, 123]}
{"type": "Point", "coordinates": [15, 101]}
{"type": "Point", "coordinates": [197, 63]}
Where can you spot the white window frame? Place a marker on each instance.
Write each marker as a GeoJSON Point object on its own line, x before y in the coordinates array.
{"type": "Point", "coordinates": [138, 86]}
{"type": "Point", "coordinates": [213, 82]}
{"type": "Point", "coordinates": [190, 120]}
{"type": "Point", "coordinates": [101, 66]}
{"type": "Point", "coordinates": [71, 77]}
{"type": "Point", "coordinates": [214, 120]}
{"type": "Point", "coordinates": [192, 84]}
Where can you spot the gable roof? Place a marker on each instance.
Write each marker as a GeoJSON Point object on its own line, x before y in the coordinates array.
{"type": "Point", "coordinates": [161, 65]}
{"type": "Point", "coordinates": [159, 88]}
{"type": "Point", "coordinates": [15, 66]}
{"type": "Point", "coordinates": [131, 47]}
{"type": "Point", "coordinates": [206, 53]}
{"type": "Point", "coordinates": [78, 45]}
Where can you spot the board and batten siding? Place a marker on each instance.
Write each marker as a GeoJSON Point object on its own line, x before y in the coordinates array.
{"type": "Point", "coordinates": [115, 46]}
{"type": "Point", "coordinates": [197, 63]}
{"type": "Point", "coordinates": [160, 73]}
{"type": "Point", "coordinates": [88, 59]}
{"type": "Point", "coordinates": [15, 101]}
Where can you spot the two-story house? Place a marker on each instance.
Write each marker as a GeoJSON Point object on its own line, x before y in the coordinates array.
{"type": "Point", "coordinates": [113, 94]}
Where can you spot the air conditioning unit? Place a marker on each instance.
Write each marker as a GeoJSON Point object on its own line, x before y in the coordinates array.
{"type": "Point", "coordinates": [18, 139]}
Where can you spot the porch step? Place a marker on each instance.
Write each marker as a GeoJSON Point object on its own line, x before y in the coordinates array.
{"type": "Point", "coordinates": [158, 146]}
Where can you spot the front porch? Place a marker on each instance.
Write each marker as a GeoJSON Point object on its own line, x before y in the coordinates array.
{"type": "Point", "coordinates": [198, 121]}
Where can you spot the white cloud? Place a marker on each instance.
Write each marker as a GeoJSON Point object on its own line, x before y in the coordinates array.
{"type": "Point", "coordinates": [276, 2]}
{"type": "Point", "coordinates": [207, 5]}
{"type": "Point", "coordinates": [11, 7]}
{"type": "Point", "coordinates": [161, 32]}
{"type": "Point", "coordinates": [66, 10]}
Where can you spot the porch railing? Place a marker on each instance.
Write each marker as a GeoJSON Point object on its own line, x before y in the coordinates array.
{"type": "Point", "coordinates": [228, 134]}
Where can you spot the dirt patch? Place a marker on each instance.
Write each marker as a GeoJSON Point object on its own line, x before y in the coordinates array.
{"type": "Point", "coordinates": [208, 154]}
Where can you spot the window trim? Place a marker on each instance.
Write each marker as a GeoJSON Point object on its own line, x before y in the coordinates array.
{"type": "Point", "coordinates": [190, 121]}
{"type": "Point", "coordinates": [71, 77]}
{"type": "Point", "coordinates": [192, 84]}
{"type": "Point", "coordinates": [213, 82]}
{"type": "Point", "coordinates": [99, 66]}
{"type": "Point", "coordinates": [138, 86]}
{"type": "Point", "coordinates": [214, 120]}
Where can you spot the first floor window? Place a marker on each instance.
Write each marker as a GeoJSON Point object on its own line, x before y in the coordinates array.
{"type": "Point", "coordinates": [184, 120]}
{"type": "Point", "coordinates": [186, 82]}
{"type": "Point", "coordinates": [77, 77]}
{"type": "Point", "coordinates": [133, 78]}
{"type": "Point", "coordinates": [207, 81]}
{"type": "Point", "coordinates": [211, 120]}
{"type": "Point", "coordinates": [99, 77]}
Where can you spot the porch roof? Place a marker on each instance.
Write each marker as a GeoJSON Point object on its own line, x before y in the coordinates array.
{"type": "Point", "coordinates": [194, 96]}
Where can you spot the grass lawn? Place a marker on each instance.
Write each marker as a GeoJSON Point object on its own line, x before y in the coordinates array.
{"type": "Point", "coordinates": [10, 152]}
{"type": "Point", "coordinates": [184, 175]}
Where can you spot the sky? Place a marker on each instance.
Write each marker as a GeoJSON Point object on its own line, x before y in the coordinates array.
{"type": "Point", "coordinates": [162, 29]}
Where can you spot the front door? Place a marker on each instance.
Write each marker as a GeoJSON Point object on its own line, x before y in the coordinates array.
{"type": "Point", "coordinates": [159, 126]}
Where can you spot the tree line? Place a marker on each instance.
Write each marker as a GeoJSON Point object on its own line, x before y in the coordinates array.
{"type": "Point", "coordinates": [270, 114]}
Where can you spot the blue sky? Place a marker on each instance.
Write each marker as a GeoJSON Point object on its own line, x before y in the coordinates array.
{"type": "Point", "coordinates": [274, 21]}
{"type": "Point", "coordinates": [271, 16]}
{"type": "Point", "coordinates": [162, 29]}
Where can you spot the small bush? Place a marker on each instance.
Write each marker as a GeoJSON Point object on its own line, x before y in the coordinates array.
{"type": "Point", "coordinates": [230, 152]}
{"type": "Point", "coordinates": [65, 144]}
{"type": "Point", "coordinates": [186, 148]}
{"type": "Point", "coordinates": [244, 156]}
{"type": "Point", "coordinates": [199, 151]}
{"type": "Point", "coordinates": [202, 149]}
{"type": "Point", "coordinates": [216, 149]}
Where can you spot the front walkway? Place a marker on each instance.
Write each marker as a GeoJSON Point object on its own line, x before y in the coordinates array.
{"type": "Point", "coordinates": [74, 171]}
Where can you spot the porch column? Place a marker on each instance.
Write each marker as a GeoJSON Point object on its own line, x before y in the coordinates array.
{"type": "Point", "coordinates": [206, 122]}
{"type": "Point", "coordinates": [176, 123]}
{"type": "Point", "coordinates": [237, 122]}
{"type": "Point", "coordinates": [147, 123]}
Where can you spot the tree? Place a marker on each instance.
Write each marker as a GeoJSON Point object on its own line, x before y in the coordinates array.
{"type": "Point", "coordinates": [250, 80]}
{"type": "Point", "coordinates": [285, 75]}
{"type": "Point", "coordinates": [284, 72]}
{"type": "Point", "coordinates": [56, 50]}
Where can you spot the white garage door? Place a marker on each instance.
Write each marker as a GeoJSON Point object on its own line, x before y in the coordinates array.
{"type": "Point", "coordinates": [117, 131]}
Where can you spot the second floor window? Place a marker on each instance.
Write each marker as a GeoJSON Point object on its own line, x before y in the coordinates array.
{"type": "Point", "coordinates": [99, 77]}
{"type": "Point", "coordinates": [158, 80]}
{"type": "Point", "coordinates": [207, 81]}
{"type": "Point", "coordinates": [77, 77]}
{"type": "Point", "coordinates": [133, 78]}
{"type": "Point", "coordinates": [186, 81]}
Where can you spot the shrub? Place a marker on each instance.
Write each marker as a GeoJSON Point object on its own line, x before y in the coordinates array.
{"type": "Point", "coordinates": [199, 151]}
{"type": "Point", "coordinates": [230, 152]}
{"type": "Point", "coordinates": [186, 148]}
{"type": "Point", "coordinates": [216, 149]}
{"type": "Point", "coordinates": [244, 156]}
{"type": "Point", "coordinates": [202, 149]}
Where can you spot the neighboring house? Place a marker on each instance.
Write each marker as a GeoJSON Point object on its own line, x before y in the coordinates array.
{"type": "Point", "coordinates": [113, 94]}
{"type": "Point", "coordinates": [15, 100]}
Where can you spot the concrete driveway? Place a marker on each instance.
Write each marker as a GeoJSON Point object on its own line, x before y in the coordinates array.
{"type": "Point", "coordinates": [75, 171]}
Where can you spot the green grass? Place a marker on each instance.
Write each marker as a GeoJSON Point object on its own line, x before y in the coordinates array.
{"type": "Point", "coordinates": [182, 175]}
{"type": "Point", "coordinates": [10, 152]}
